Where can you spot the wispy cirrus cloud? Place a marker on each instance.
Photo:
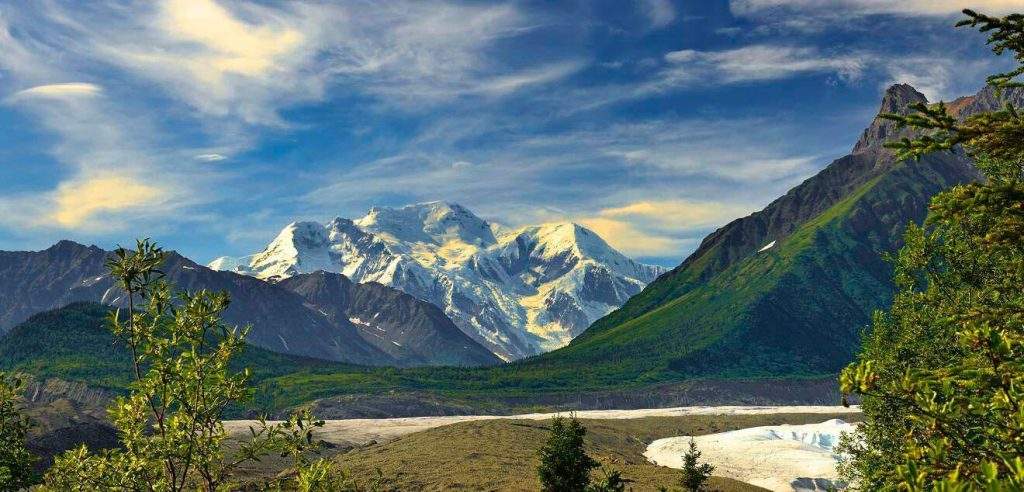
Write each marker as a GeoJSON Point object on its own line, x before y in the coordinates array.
{"type": "Point", "coordinates": [523, 111]}
{"type": "Point", "coordinates": [68, 89]}
{"type": "Point", "coordinates": [659, 13]}
{"type": "Point", "coordinates": [871, 7]}
{"type": "Point", "coordinates": [227, 69]}
{"type": "Point", "coordinates": [211, 157]}
{"type": "Point", "coordinates": [760, 62]}
{"type": "Point", "coordinates": [650, 189]}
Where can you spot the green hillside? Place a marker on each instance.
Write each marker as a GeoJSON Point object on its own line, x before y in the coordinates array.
{"type": "Point", "coordinates": [794, 309]}
{"type": "Point", "coordinates": [73, 343]}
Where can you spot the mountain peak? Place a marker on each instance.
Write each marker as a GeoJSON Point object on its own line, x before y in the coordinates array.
{"type": "Point", "coordinates": [897, 99]}
{"type": "Point", "coordinates": [898, 96]}
{"type": "Point", "coordinates": [429, 222]}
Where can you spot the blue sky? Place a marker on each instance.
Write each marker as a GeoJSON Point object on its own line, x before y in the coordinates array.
{"type": "Point", "coordinates": [209, 125]}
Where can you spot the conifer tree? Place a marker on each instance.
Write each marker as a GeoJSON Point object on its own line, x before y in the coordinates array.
{"type": "Point", "coordinates": [564, 464]}
{"type": "Point", "coordinates": [942, 372]}
{"type": "Point", "coordinates": [611, 482]}
{"type": "Point", "coordinates": [695, 474]}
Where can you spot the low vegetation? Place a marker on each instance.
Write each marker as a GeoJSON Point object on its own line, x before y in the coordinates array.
{"type": "Point", "coordinates": [16, 463]}
{"type": "Point", "coordinates": [169, 422]}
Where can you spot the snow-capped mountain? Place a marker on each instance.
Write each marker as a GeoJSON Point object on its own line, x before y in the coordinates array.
{"type": "Point", "coordinates": [520, 292]}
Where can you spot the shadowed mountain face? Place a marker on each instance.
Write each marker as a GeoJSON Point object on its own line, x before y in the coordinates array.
{"type": "Point", "coordinates": [787, 290]}
{"type": "Point", "coordinates": [395, 323]}
{"type": "Point", "coordinates": [281, 320]}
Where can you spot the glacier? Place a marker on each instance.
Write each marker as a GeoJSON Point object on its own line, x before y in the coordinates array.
{"type": "Point", "coordinates": [518, 291]}
{"type": "Point", "coordinates": [779, 457]}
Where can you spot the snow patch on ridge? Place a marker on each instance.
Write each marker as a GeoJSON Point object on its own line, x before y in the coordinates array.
{"type": "Point", "coordinates": [767, 247]}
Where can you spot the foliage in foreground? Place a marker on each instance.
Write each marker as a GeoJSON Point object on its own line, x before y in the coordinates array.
{"type": "Point", "coordinates": [16, 462]}
{"type": "Point", "coordinates": [942, 373]}
{"type": "Point", "coordinates": [170, 424]}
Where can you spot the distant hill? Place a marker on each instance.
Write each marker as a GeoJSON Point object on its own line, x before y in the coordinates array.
{"type": "Point", "coordinates": [325, 317]}
{"type": "Point", "coordinates": [74, 343]}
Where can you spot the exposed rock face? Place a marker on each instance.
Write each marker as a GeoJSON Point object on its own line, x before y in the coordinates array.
{"type": "Point", "coordinates": [897, 100]}
{"type": "Point", "coordinates": [396, 323]}
{"type": "Point", "coordinates": [282, 320]}
{"type": "Point", "coordinates": [518, 292]}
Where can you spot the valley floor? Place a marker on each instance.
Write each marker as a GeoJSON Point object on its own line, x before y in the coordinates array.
{"type": "Point", "coordinates": [499, 453]}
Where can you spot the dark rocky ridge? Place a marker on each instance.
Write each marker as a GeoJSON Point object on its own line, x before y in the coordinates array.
{"type": "Point", "coordinates": [396, 323]}
{"type": "Point", "coordinates": [282, 320]}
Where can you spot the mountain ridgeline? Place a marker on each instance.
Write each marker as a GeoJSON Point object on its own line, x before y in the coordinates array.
{"type": "Point", "coordinates": [785, 291]}
{"type": "Point", "coordinates": [518, 292]}
{"type": "Point", "coordinates": [326, 317]}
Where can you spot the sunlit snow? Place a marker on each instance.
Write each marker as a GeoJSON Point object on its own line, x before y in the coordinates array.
{"type": "Point", "coordinates": [779, 457]}
{"type": "Point", "coordinates": [518, 291]}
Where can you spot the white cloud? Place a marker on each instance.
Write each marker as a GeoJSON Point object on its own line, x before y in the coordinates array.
{"type": "Point", "coordinates": [229, 67]}
{"type": "Point", "coordinates": [660, 228]}
{"type": "Point", "coordinates": [248, 61]}
{"type": "Point", "coordinates": [210, 157]}
{"type": "Point", "coordinates": [632, 240]}
{"type": "Point", "coordinates": [677, 214]}
{"type": "Point", "coordinates": [70, 89]}
{"type": "Point", "coordinates": [79, 201]}
{"type": "Point", "coordinates": [939, 76]}
{"type": "Point", "coordinates": [511, 83]}
{"type": "Point", "coordinates": [755, 63]}
{"type": "Point", "coordinates": [868, 7]}
{"type": "Point", "coordinates": [659, 13]}
{"type": "Point", "coordinates": [209, 57]}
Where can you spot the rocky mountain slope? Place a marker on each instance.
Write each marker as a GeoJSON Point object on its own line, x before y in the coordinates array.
{"type": "Point", "coordinates": [406, 328]}
{"type": "Point", "coordinates": [519, 292]}
{"type": "Point", "coordinates": [787, 290]}
{"type": "Point", "coordinates": [282, 320]}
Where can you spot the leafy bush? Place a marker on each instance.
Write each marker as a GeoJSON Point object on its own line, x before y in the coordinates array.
{"type": "Point", "coordinates": [169, 423]}
{"type": "Point", "coordinates": [16, 462]}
